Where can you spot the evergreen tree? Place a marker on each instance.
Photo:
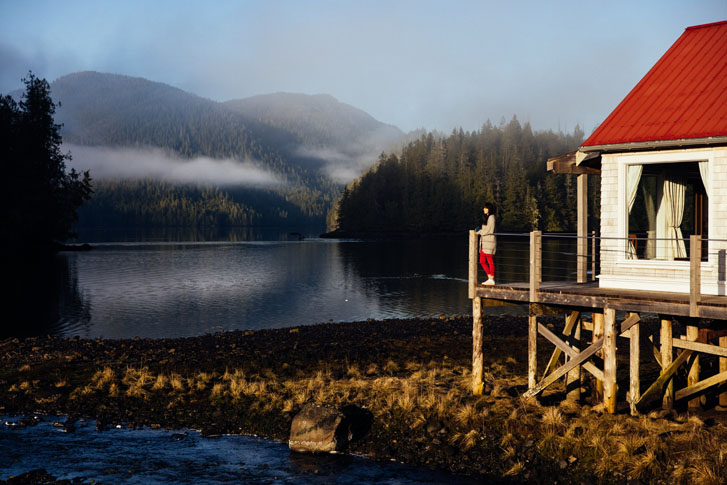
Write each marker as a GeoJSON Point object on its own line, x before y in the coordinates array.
{"type": "Point", "coordinates": [440, 183]}
{"type": "Point", "coordinates": [40, 198]}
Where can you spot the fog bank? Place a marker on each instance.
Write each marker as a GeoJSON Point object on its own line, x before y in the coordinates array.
{"type": "Point", "coordinates": [154, 163]}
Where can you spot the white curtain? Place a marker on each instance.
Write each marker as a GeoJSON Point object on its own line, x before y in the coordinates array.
{"type": "Point", "coordinates": [633, 175]}
{"type": "Point", "coordinates": [704, 171]}
{"type": "Point", "coordinates": [675, 186]}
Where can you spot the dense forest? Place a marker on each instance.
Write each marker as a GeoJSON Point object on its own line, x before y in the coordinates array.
{"type": "Point", "coordinates": [153, 203]}
{"type": "Point", "coordinates": [439, 184]}
{"type": "Point", "coordinates": [304, 141]}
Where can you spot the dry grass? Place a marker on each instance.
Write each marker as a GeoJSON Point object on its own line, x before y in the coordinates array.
{"type": "Point", "coordinates": [431, 399]}
{"type": "Point", "coordinates": [641, 449]}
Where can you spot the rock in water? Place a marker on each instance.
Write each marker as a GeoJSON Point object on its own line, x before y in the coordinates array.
{"type": "Point", "coordinates": [318, 429]}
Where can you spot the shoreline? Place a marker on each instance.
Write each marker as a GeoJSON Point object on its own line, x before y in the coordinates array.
{"type": "Point", "coordinates": [412, 375]}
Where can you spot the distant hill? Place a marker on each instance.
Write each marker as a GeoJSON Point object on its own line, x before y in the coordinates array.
{"type": "Point", "coordinates": [312, 145]}
{"type": "Point", "coordinates": [322, 127]}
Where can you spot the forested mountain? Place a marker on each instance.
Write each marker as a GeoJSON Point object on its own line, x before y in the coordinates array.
{"type": "Point", "coordinates": [441, 184]}
{"type": "Point", "coordinates": [322, 128]}
{"type": "Point", "coordinates": [296, 145]}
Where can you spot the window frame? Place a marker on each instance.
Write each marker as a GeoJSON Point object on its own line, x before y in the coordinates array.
{"type": "Point", "coordinates": [626, 160]}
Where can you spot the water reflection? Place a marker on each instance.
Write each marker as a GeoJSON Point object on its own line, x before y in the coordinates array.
{"type": "Point", "coordinates": [195, 234]}
{"type": "Point", "coordinates": [170, 288]}
{"type": "Point", "coordinates": [165, 289]}
{"type": "Point", "coordinates": [43, 296]}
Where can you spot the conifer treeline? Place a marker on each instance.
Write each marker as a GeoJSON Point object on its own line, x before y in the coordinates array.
{"type": "Point", "coordinates": [153, 203]}
{"type": "Point", "coordinates": [440, 184]}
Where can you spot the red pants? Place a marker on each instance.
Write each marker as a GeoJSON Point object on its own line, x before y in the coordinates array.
{"type": "Point", "coordinates": [487, 264]}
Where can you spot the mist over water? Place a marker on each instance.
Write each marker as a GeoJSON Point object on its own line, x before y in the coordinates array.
{"type": "Point", "coordinates": [155, 163]}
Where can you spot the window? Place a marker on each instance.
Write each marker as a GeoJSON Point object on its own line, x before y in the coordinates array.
{"type": "Point", "coordinates": [667, 203]}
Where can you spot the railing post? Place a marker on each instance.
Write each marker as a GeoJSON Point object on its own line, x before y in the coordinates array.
{"type": "Point", "coordinates": [593, 255]}
{"type": "Point", "coordinates": [473, 254]}
{"type": "Point", "coordinates": [582, 245]}
{"type": "Point", "coordinates": [535, 263]}
{"type": "Point", "coordinates": [695, 274]}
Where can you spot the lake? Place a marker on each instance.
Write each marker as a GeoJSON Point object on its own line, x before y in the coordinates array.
{"type": "Point", "coordinates": [185, 283]}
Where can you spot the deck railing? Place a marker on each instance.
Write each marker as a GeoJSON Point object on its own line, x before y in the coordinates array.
{"type": "Point", "coordinates": [571, 264]}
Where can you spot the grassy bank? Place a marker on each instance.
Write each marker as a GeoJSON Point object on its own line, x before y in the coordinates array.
{"type": "Point", "coordinates": [412, 375]}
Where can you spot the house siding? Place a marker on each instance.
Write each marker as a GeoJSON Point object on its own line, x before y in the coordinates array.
{"type": "Point", "coordinates": [619, 272]}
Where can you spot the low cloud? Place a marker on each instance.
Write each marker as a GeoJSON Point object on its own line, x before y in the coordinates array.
{"type": "Point", "coordinates": [154, 163]}
{"type": "Point", "coordinates": [345, 163]}
{"type": "Point", "coordinates": [339, 166]}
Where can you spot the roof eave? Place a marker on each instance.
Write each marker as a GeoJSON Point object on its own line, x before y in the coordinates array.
{"type": "Point", "coordinates": [657, 144]}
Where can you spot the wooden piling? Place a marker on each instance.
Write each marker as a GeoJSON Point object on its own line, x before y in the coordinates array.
{"type": "Point", "coordinates": [532, 351]}
{"type": "Point", "coordinates": [477, 357]}
{"type": "Point", "coordinates": [634, 357]}
{"type": "Point", "coordinates": [693, 376]}
{"type": "Point", "coordinates": [597, 335]}
{"type": "Point", "coordinates": [666, 360]}
{"type": "Point", "coordinates": [609, 360]}
{"type": "Point", "coordinates": [723, 368]}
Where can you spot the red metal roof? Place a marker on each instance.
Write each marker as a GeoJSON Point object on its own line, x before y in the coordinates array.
{"type": "Point", "coordinates": [683, 96]}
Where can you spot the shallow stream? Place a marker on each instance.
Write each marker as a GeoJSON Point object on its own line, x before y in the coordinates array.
{"type": "Point", "coordinates": [148, 456]}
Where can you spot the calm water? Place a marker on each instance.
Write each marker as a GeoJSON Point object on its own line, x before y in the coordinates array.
{"type": "Point", "coordinates": [163, 286]}
{"type": "Point", "coordinates": [189, 283]}
{"type": "Point", "coordinates": [182, 283]}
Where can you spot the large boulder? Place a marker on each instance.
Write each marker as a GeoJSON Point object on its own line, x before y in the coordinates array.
{"type": "Point", "coordinates": [317, 429]}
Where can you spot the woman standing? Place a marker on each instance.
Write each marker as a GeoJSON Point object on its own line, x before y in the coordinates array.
{"type": "Point", "coordinates": [488, 244]}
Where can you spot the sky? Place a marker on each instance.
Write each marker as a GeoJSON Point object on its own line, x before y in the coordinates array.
{"type": "Point", "coordinates": [432, 64]}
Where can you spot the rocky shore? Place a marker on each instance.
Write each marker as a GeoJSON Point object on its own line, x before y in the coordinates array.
{"type": "Point", "coordinates": [412, 377]}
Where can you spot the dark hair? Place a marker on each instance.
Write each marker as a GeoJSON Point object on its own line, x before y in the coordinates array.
{"type": "Point", "coordinates": [491, 212]}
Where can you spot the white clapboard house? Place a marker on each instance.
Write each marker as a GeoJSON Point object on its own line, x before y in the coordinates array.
{"type": "Point", "coordinates": [662, 158]}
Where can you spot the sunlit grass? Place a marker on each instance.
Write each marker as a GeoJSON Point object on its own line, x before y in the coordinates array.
{"type": "Point", "coordinates": [428, 402]}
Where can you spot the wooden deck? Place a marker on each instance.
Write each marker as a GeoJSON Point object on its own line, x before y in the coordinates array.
{"type": "Point", "coordinates": [586, 296]}
{"type": "Point", "coordinates": [596, 353]}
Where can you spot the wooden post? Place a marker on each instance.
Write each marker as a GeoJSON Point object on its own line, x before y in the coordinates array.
{"type": "Point", "coordinates": [597, 335]}
{"type": "Point", "coordinates": [532, 350]}
{"type": "Point", "coordinates": [478, 364]}
{"type": "Point", "coordinates": [593, 255]}
{"type": "Point", "coordinates": [695, 274]}
{"type": "Point", "coordinates": [693, 376]}
{"type": "Point", "coordinates": [473, 255]}
{"type": "Point", "coordinates": [609, 360]}
{"type": "Point", "coordinates": [582, 246]}
{"type": "Point", "coordinates": [723, 368]}
{"type": "Point", "coordinates": [666, 359]}
{"type": "Point", "coordinates": [635, 355]}
{"type": "Point", "coordinates": [535, 264]}
{"type": "Point", "coordinates": [573, 380]}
